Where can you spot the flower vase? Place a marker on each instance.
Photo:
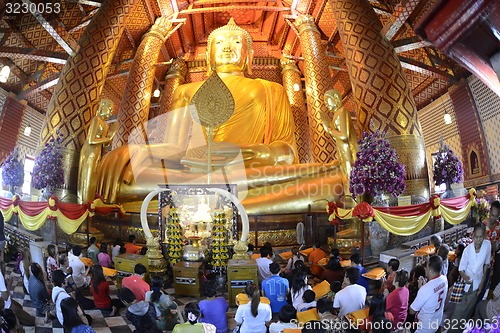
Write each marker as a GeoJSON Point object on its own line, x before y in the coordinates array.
{"type": "Point", "coordinates": [448, 193]}
{"type": "Point", "coordinates": [46, 193]}
{"type": "Point", "coordinates": [379, 236]}
{"type": "Point", "coordinates": [11, 189]}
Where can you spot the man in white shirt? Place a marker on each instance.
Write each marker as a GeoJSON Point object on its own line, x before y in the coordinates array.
{"type": "Point", "coordinates": [473, 267]}
{"type": "Point", "coordinates": [58, 292]}
{"type": "Point", "coordinates": [353, 296]}
{"type": "Point", "coordinates": [263, 264]}
{"type": "Point", "coordinates": [431, 297]}
{"type": "Point", "coordinates": [80, 274]}
{"type": "Point", "coordinates": [5, 289]}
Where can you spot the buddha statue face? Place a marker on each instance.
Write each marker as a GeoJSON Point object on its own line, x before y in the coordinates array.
{"type": "Point", "coordinates": [229, 50]}
{"type": "Point", "coordinates": [105, 108]}
{"type": "Point", "coordinates": [332, 99]}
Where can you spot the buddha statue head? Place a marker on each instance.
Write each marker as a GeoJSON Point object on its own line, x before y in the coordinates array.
{"type": "Point", "coordinates": [332, 99]}
{"type": "Point", "coordinates": [229, 50]}
{"type": "Point", "coordinates": [105, 108]}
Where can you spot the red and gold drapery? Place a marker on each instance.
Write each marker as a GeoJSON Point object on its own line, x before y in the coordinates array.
{"type": "Point", "coordinates": [408, 220]}
{"type": "Point", "coordinates": [69, 216]}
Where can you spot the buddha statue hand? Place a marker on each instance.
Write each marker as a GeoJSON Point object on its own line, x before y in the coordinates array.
{"type": "Point", "coordinates": [162, 27]}
{"type": "Point", "coordinates": [225, 153]}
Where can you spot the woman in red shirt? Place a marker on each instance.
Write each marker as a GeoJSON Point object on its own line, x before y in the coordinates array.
{"type": "Point", "coordinates": [99, 288]}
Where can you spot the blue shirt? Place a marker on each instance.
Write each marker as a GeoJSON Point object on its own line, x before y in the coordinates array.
{"type": "Point", "coordinates": [362, 280]}
{"type": "Point", "coordinates": [275, 288]}
{"type": "Point", "coordinates": [214, 312]}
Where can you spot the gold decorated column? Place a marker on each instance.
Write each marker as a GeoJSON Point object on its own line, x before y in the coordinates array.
{"type": "Point", "coordinates": [136, 100]}
{"type": "Point", "coordinates": [318, 81]}
{"type": "Point", "coordinates": [380, 88]}
{"type": "Point", "coordinates": [76, 96]}
{"type": "Point", "coordinates": [293, 87]}
{"type": "Point", "coordinates": [176, 76]}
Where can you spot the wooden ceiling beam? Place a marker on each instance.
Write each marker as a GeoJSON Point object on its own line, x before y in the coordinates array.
{"type": "Point", "coordinates": [398, 18]}
{"type": "Point", "coordinates": [33, 54]}
{"type": "Point", "coordinates": [233, 8]}
{"type": "Point", "coordinates": [45, 84]}
{"type": "Point", "coordinates": [422, 68]}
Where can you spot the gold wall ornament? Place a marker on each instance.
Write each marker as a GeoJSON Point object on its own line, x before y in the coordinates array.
{"type": "Point", "coordinates": [318, 81]}
{"type": "Point", "coordinates": [176, 76]}
{"type": "Point", "coordinates": [156, 261]}
{"type": "Point", "coordinates": [76, 96]}
{"type": "Point", "coordinates": [134, 108]}
{"type": "Point", "coordinates": [380, 88]}
{"type": "Point", "coordinates": [293, 86]}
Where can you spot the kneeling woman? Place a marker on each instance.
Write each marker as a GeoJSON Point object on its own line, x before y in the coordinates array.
{"type": "Point", "coordinates": [254, 315]}
{"type": "Point", "coordinates": [100, 290]}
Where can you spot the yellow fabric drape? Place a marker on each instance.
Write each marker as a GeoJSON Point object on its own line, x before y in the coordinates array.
{"type": "Point", "coordinates": [33, 222]}
{"type": "Point", "coordinates": [402, 225]}
{"type": "Point", "coordinates": [456, 216]}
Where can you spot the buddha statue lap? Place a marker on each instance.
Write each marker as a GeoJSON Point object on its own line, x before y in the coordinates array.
{"type": "Point", "coordinates": [254, 148]}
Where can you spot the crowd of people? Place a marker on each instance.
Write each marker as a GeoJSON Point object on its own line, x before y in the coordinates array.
{"type": "Point", "coordinates": [437, 295]}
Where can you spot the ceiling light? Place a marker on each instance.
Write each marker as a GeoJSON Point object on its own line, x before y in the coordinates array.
{"type": "Point", "coordinates": [27, 130]}
{"type": "Point", "coordinates": [447, 118]}
{"type": "Point", "coordinates": [156, 93]}
{"type": "Point", "coordinates": [296, 87]}
{"type": "Point", "coordinates": [4, 74]}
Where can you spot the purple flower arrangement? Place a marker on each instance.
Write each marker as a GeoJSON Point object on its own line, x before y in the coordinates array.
{"type": "Point", "coordinates": [48, 169]}
{"type": "Point", "coordinates": [447, 167]}
{"type": "Point", "coordinates": [13, 170]}
{"type": "Point", "coordinates": [377, 169]}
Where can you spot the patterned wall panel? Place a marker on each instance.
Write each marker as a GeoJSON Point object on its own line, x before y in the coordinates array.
{"type": "Point", "coordinates": [3, 98]}
{"type": "Point", "coordinates": [28, 145]}
{"type": "Point", "coordinates": [488, 103]}
{"type": "Point", "coordinates": [433, 127]}
{"type": "Point", "coordinates": [476, 169]}
{"type": "Point", "coordinates": [10, 121]}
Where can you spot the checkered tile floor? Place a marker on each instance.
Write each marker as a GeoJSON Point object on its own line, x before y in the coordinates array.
{"type": "Point", "coordinates": [101, 323]}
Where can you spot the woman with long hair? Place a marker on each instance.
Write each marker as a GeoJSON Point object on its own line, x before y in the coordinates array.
{"type": "Point", "coordinates": [192, 314]}
{"type": "Point", "coordinates": [333, 271]}
{"type": "Point", "coordinates": [99, 288]}
{"type": "Point", "coordinates": [103, 256]}
{"type": "Point", "coordinates": [377, 312]}
{"type": "Point", "coordinates": [397, 300]}
{"type": "Point", "coordinates": [299, 286]}
{"type": "Point", "coordinates": [254, 315]}
{"type": "Point", "coordinates": [51, 263]}
{"type": "Point", "coordinates": [72, 321]}
{"type": "Point", "coordinates": [166, 308]}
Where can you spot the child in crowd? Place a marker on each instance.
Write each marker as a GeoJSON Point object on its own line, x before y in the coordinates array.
{"type": "Point", "coordinates": [285, 316]}
{"type": "Point", "coordinates": [141, 314]}
{"type": "Point", "coordinates": [25, 268]}
{"type": "Point", "coordinates": [335, 287]}
{"type": "Point", "coordinates": [130, 247]}
{"type": "Point", "coordinates": [291, 262]}
{"type": "Point", "coordinates": [324, 307]}
{"type": "Point", "coordinates": [308, 301]}
{"type": "Point", "coordinates": [52, 264]}
{"type": "Point", "coordinates": [103, 256]}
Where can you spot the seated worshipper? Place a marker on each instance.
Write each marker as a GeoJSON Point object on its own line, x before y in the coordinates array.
{"type": "Point", "coordinates": [413, 287]}
{"type": "Point", "coordinates": [431, 296]}
{"type": "Point", "coordinates": [299, 286]}
{"type": "Point", "coordinates": [263, 263]}
{"type": "Point", "coordinates": [115, 249]}
{"type": "Point", "coordinates": [436, 241]}
{"type": "Point", "coordinates": [272, 256]}
{"type": "Point", "coordinates": [93, 250]}
{"type": "Point", "coordinates": [167, 315]}
{"type": "Point", "coordinates": [250, 250]}
{"type": "Point", "coordinates": [353, 296]}
{"type": "Point", "coordinates": [136, 282]}
{"type": "Point", "coordinates": [333, 271]}
{"type": "Point", "coordinates": [141, 314]}
{"type": "Point", "coordinates": [39, 294]}
{"type": "Point", "coordinates": [213, 309]}
{"type": "Point", "coordinates": [9, 322]}
{"type": "Point", "coordinates": [275, 288]}
{"type": "Point", "coordinates": [397, 300]}
{"type": "Point", "coordinates": [72, 320]}
{"type": "Point", "coordinates": [5, 290]}
{"type": "Point", "coordinates": [488, 309]}
{"type": "Point", "coordinates": [291, 262]}
{"type": "Point", "coordinates": [143, 250]}
{"type": "Point", "coordinates": [377, 311]}
{"type": "Point", "coordinates": [308, 301]}
{"type": "Point", "coordinates": [59, 292]}
{"type": "Point", "coordinates": [286, 314]}
{"type": "Point", "coordinates": [324, 307]}
{"type": "Point", "coordinates": [192, 314]}
{"type": "Point", "coordinates": [356, 262]}
{"type": "Point", "coordinates": [388, 283]}
{"type": "Point", "coordinates": [79, 272]}
{"type": "Point", "coordinates": [99, 288]}
{"type": "Point", "coordinates": [254, 315]}
{"type": "Point", "coordinates": [314, 257]}
{"type": "Point", "coordinates": [103, 257]}
{"type": "Point", "coordinates": [130, 247]}
{"type": "Point", "coordinates": [51, 263]}
{"type": "Point", "coordinates": [335, 287]}
{"type": "Point", "coordinates": [25, 269]}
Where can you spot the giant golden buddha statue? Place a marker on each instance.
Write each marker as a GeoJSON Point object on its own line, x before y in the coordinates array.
{"type": "Point", "coordinates": [254, 148]}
